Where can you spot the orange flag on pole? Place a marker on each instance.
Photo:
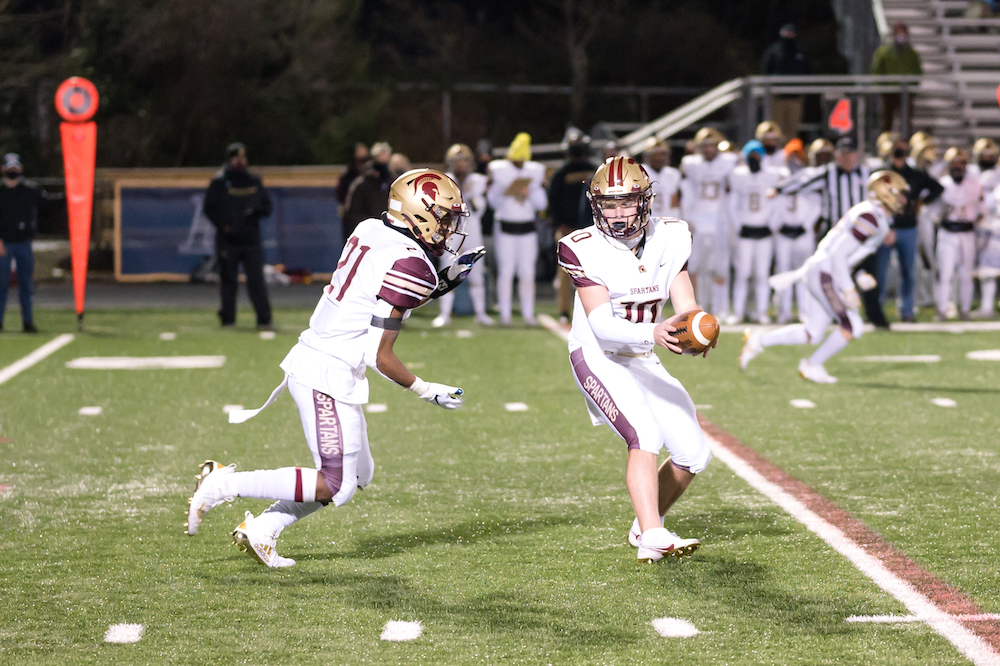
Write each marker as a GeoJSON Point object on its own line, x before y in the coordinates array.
{"type": "Point", "coordinates": [76, 102]}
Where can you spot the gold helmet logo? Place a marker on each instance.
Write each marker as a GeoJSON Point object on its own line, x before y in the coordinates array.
{"type": "Point", "coordinates": [889, 189]}
{"type": "Point", "coordinates": [620, 196]}
{"type": "Point", "coordinates": [429, 205]}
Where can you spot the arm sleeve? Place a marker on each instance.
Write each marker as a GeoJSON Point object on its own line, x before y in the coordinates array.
{"type": "Point", "coordinates": [934, 189]}
{"type": "Point", "coordinates": [409, 283]}
{"type": "Point", "coordinates": [607, 326]}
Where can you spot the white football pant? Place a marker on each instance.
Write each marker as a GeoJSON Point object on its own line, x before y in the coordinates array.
{"type": "Point", "coordinates": [753, 257]}
{"type": "Point", "coordinates": [788, 255]}
{"type": "Point", "coordinates": [956, 252]}
{"type": "Point", "coordinates": [516, 257]}
{"type": "Point", "coordinates": [709, 263]}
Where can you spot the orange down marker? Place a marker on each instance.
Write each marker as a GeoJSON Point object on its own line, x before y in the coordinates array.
{"type": "Point", "coordinates": [76, 102]}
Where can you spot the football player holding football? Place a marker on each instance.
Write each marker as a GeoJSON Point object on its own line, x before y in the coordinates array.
{"type": "Point", "coordinates": [827, 274]}
{"type": "Point", "coordinates": [383, 273]}
{"type": "Point", "coordinates": [625, 267]}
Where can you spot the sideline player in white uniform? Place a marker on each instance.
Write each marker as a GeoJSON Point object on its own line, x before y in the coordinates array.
{"type": "Point", "coordinates": [517, 195]}
{"type": "Point", "coordinates": [985, 153]}
{"type": "Point", "coordinates": [459, 161]}
{"type": "Point", "coordinates": [754, 214]}
{"type": "Point", "coordinates": [956, 240]}
{"type": "Point", "coordinates": [625, 267]}
{"type": "Point", "coordinates": [703, 199]}
{"type": "Point", "coordinates": [795, 241]}
{"type": "Point", "coordinates": [383, 273]}
{"type": "Point", "coordinates": [770, 137]}
{"type": "Point", "coordinates": [828, 276]}
{"type": "Point", "coordinates": [666, 181]}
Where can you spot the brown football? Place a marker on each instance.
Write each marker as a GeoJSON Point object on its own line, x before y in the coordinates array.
{"type": "Point", "coordinates": [697, 330]}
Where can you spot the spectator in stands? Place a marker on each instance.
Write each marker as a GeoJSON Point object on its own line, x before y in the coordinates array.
{"type": "Point", "coordinates": [903, 237]}
{"type": "Point", "coordinates": [899, 57]}
{"type": "Point", "coordinates": [568, 184]}
{"type": "Point", "coordinates": [785, 57]}
{"type": "Point", "coordinates": [369, 193]}
{"type": "Point", "coordinates": [235, 203]}
{"type": "Point", "coordinates": [517, 194]}
{"type": "Point", "coordinates": [19, 204]}
{"type": "Point", "coordinates": [353, 170]}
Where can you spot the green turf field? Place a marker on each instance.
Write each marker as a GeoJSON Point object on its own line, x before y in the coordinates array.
{"type": "Point", "coordinates": [502, 532]}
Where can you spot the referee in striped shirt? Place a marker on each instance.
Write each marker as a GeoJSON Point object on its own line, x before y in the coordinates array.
{"type": "Point", "coordinates": [841, 185]}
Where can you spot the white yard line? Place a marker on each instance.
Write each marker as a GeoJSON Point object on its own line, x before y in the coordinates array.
{"type": "Point", "coordinates": [34, 357]}
{"type": "Point", "coordinates": [948, 626]}
{"type": "Point", "coordinates": [892, 619]}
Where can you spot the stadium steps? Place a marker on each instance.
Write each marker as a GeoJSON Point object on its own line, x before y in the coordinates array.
{"type": "Point", "coordinates": [962, 106]}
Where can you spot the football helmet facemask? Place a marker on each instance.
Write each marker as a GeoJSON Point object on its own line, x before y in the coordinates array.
{"type": "Point", "coordinates": [619, 186]}
{"type": "Point", "coordinates": [429, 205]}
{"type": "Point", "coordinates": [889, 189]}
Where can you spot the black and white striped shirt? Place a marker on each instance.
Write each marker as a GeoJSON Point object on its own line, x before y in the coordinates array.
{"type": "Point", "coordinates": [839, 189]}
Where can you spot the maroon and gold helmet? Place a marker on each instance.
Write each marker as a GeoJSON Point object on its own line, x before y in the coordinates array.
{"type": "Point", "coordinates": [429, 205]}
{"type": "Point", "coordinates": [620, 183]}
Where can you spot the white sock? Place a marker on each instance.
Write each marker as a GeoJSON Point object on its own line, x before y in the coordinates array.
{"type": "Point", "coordinates": [989, 292]}
{"type": "Point", "coordinates": [283, 513]}
{"type": "Point", "coordinates": [833, 344]}
{"type": "Point", "coordinates": [635, 524]}
{"type": "Point", "coordinates": [287, 483]}
{"type": "Point", "coordinates": [786, 335]}
{"type": "Point", "coordinates": [478, 295]}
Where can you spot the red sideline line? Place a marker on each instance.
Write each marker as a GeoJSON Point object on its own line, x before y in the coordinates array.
{"type": "Point", "coordinates": [941, 593]}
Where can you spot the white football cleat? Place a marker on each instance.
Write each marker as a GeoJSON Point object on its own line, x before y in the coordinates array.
{"type": "Point", "coordinates": [763, 320]}
{"type": "Point", "coordinates": [441, 320]}
{"type": "Point", "coordinates": [208, 493]}
{"type": "Point", "coordinates": [484, 319]}
{"type": "Point", "coordinates": [635, 532]}
{"type": "Point", "coordinates": [730, 320]}
{"type": "Point", "coordinates": [815, 373]}
{"type": "Point", "coordinates": [258, 545]}
{"type": "Point", "coordinates": [659, 542]}
{"type": "Point", "coordinates": [751, 348]}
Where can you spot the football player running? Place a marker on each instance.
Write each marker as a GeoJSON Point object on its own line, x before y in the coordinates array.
{"type": "Point", "coordinates": [624, 268]}
{"type": "Point", "coordinates": [383, 273]}
{"type": "Point", "coordinates": [827, 274]}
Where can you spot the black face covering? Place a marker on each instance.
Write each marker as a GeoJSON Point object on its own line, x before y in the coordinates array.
{"type": "Point", "coordinates": [986, 165]}
{"type": "Point", "coordinates": [957, 175]}
{"type": "Point", "coordinates": [770, 150]}
{"type": "Point", "coordinates": [753, 162]}
{"type": "Point", "coordinates": [899, 153]}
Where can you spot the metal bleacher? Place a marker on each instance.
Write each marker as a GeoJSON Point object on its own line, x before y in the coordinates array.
{"type": "Point", "coordinates": [958, 103]}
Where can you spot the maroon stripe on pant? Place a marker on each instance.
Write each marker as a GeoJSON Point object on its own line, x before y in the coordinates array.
{"type": "Point", "coordinates": [602, 398]}
{"type": "Point", "coordinates": [298, 484]}
{"type": "Point", "coordinates": [330, 441]}
{"type": "Point", "coordinates": [826, 283]}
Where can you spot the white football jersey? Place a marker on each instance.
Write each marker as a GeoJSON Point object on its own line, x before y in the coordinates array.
{"type": "Point", "coordinates": [963, 201]}
{"type": "Point", "coordinates": [776, 160]}
{"type": "Point", "coordinates": [748, 201]}
{"type": "Point", "coordinates": [377, 263]}
{"type": "Point", "coordinates": [706, 183]}
{"type": "Point", "coordinates": [509, 209]}
{"type": "Point", "coordinates": [854, 237]}
{"type": "Point", "coordinates": [639, 287]}
{"type": "Point", "coordinates": [666, 183]}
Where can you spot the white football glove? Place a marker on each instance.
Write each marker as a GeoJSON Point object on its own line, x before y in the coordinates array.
{"type": "Point", "coordinates": [851, 298]}
{"type": "Point", "coordinates": [452, 276]}
{"type": "Point", "coordinates": [449, 397]}
{"type": "Point", "coordinates": [865, 281]}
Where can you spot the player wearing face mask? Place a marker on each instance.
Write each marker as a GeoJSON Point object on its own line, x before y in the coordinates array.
{"type": "Point", "coordinates": [956, 244]}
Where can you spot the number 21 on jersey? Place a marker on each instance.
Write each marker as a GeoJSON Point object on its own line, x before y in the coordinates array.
{"type": "Point", "coordinates": [352, 255]}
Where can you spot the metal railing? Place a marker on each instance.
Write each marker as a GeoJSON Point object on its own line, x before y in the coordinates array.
{"type": "Point", "coordinates": [750, 99]}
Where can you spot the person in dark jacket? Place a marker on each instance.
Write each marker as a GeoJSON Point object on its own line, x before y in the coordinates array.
{"type": "Point", "coordinates": [235, 203]}
{"type": "Point", "coordinates": [923, 189]}
{"type": "Point", "coordinates": [369, 193]}
{"type": "Point", "coordinates": [353, 170]}
{"type": "Point", "coordinates": [567, 186]}
{"type": "Point", "coordinates": [785, 57]}
{"type": "Point", "coordinates": [19, 204]}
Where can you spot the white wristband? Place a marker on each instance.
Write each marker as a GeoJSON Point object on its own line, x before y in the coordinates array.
{"type": "Point", "coordinates": [418, 386]}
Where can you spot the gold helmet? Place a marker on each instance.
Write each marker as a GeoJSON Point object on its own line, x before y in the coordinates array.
{"type": "Point", "coordinates": [921, 139]}
{"type": "Point", "coordinates": [985, 150]}
{"type": "Point", "coordinates": [429, 205]}
{"type": "Point", "coordinates": [817, 147]}
{"type": "Point", "coordinates": [768, 129]}
{"type": "Point", "coordinates": [891, 137]}
{"type": "Point", "coordinates": [924, 155]}
{"type": "Point", "coordinates": [620, 184]}
{"type": "Point", "coordinates": [955, 154]}
{"type": "Point", "coordinates": [885, 147]}
{"type": "Point", "coordinates": [708, 135]}
{"type": "Point", "coordinates": [889, 189]}
{"type": "Point", "coordinates": [456, 152]}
